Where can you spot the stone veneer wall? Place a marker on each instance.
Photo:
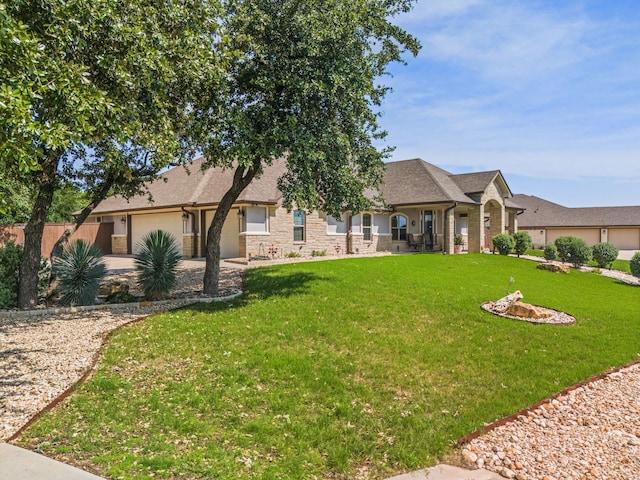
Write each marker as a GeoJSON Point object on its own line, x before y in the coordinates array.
{"type": "Point", "coordinates": [119, 244]}
{"type": "Point", "coordinates": [280, 238]}
{"type": "Point", "coordinates": [187, 244]}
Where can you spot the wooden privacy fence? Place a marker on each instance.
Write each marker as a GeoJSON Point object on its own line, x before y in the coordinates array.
{"type": "Point", "coordinates": [97, 233]}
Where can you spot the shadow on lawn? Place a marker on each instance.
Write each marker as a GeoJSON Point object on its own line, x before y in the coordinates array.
{"type": "Point", "coordinates": [266, 282]}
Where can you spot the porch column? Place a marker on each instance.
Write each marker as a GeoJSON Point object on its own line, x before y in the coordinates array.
{"type": "Point", "coordinates": [513, 222]}
{"type": "Point", "coordinates": [449, 230]}
{"type": "Point", "coordinates": [496, 220]}
{"type": "Point", "coordinates": [476, 240]}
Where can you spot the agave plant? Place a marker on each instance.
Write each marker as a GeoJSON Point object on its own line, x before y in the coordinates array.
{"type": "Point", "coordinates": [79, 270]}
{"type": "Point", "coordinates": [156, 261]}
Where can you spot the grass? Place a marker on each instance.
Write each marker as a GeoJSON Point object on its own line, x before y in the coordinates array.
{"type": "Point", "coordinates": [336, 369]}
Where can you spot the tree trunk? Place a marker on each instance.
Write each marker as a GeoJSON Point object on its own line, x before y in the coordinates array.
{"type": "Point", "coordinates": [212, 269]}
{"type": "Point", "coordinates": [30, 264]}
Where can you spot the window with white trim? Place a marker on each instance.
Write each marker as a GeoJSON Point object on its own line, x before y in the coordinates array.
{"type": "Point", "coordinates": [298, 225]}
{"type": "Point", "coordinates": [398, 227]}
{"type": "Point", "coordinates": [366, 226]}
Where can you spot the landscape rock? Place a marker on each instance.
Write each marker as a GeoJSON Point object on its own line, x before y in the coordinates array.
{"type": "Point", "coordinates": [504, 303]}
{"type": "Point", "coordinates": [111, 287]}
{"type": "Point", "coordinates": [525, 310]}
{"type": "Point", "coordinates": [554, 267]}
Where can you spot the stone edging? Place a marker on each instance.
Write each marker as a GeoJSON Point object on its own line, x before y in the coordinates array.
{"type": "Point", "coordinates": [115, 306]}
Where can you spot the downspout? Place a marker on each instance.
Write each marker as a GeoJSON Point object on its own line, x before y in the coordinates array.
{"type": "Point", "coordinates": [194, 247]}
{"type": "Point", "coordinates": [446, 219]}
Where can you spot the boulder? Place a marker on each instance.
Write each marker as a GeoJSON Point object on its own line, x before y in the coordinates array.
{"type": "Point", "coordinates": [112, 287]}
{"type": "Point", "coordinates": [526, 310]}
{"type": "Point", "coordinates": [502, 305]}
{"type": "Point", "coordinates": [554, 267]}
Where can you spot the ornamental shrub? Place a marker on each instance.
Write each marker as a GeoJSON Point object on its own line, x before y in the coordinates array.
{"type": "Point", "coordinates": [550, 252]}
{"type": "Point", "coordinates": [562, 245]}
{"type": "Point", "coordinates": [579, 251]}
{"type": "Point", "coordinates": [604, 254]}
{"type": "Point", "coordinates": [634, 264]}
{"type": "Point", "coordinates": [10, 257]}
{"type": "Point", "coordinates": [522, 242]}
{"type": "Point", "coordinates": [156, 264]}
{"type": "Point", "coordinates": [504, 243]}
{"type": "Point", "coordinates": [79, 270]}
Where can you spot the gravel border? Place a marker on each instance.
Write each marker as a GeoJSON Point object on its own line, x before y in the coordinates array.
{"type": "Point", "coordinates": [44, 356]}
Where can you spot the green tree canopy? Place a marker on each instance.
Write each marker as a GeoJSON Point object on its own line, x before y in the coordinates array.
{"type": "Point", "coordinates": [95, 92]}
{"type": "Point", "coordinates": [302, 84]}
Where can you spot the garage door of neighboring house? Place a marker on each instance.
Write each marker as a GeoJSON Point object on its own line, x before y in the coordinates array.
{"type": "Point", "coordinates": [589, 235]}
{"type": "Point", "coordinates": [230, 241]}
{"type": "Point", "coordinates": [143, 224]}
{"type": "Point", "coordinates": [625, 238]}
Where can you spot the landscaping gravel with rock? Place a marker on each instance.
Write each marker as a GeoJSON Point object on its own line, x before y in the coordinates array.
{"type": "Point", "coordinates": [591, 432]}
{"type": "Point", "coordinates": [42, 356]}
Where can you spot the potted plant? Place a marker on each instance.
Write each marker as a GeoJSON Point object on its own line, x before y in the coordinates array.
{"type": "Point", "coordinates": [458, 244]}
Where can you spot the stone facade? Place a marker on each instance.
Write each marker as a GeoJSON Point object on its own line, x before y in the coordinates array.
{"type": "Point", "coordinates": [119, 244]}
{"type": "Point", "coordinates": [188, 240]}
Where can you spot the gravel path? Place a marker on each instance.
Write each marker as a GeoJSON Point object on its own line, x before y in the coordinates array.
{"type": "Point", "coordinates": [41, 357]}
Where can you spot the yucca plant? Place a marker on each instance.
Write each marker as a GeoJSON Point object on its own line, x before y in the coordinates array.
{"type": "Point", "coordinates": [156, 261]}
{"type": "Point", "coordinates": [79, 270]}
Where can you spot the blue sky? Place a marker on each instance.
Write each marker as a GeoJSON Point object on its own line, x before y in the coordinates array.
{"type": "Point", "coordinates": [548, 92]}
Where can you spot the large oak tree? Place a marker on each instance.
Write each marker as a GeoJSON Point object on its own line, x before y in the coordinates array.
{"type": "Point", "coordinates": [302, 85]}
{"type": "Point", "coordinates": [95, 92]}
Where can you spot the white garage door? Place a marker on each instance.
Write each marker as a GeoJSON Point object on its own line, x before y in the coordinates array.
{"type": "Point", "coordinates": [143, 224]}
{"type": "Point", "coordinates": [589, 235]}
{"type": "Point", "coordinates": [625, 238]}
{"type": "Point", "coordinates": [230, 242]}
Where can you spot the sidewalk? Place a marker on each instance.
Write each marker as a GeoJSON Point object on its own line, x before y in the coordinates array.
{"type": "Point", "coordinates": [18, 463]}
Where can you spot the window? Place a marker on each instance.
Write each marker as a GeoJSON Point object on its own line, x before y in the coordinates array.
{"type": "Point", "coordinates": [398, 227]}
{"type": "Point", "coordinates": [256, 219]}
{"type": "Point", "coordinates": [366, 226]}
{"type": "Point", "coordinates": [298, 226]}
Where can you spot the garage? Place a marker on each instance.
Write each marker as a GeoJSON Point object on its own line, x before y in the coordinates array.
{"type": "Point", "coordinates": [589, 235]}
{"type": "Point", "coordinates": [143, 224]}
{"type": "Point", "coordinates": [625, 238]}
{"type": "Point", "coordinates": [229, 243]}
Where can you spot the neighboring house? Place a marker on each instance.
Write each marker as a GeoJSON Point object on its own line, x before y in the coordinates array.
{"type": "Point", "coordinates": [425, 203]}
{"type": "Point", "coordinates": [545, 221]}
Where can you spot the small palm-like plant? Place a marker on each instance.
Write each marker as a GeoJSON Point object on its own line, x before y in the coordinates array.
{"type": "Point", "coordinates": [156, 264]}
{"type": "Point", "coordinates": [79, 270]}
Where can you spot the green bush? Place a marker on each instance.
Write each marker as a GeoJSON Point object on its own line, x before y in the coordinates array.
{"type": "Point", "coordinates": [604, 254]}
{"type": "Point", "coordinates": [293, 255]}
{"type": "Point", "coordinates": [579, 251]}
{"type": "Point", "coordinates": [562, 244]}
{"type": "Point", "coordinates": [504, 243]}
{"type": "Point", "coordinates": [10, 257]}
{"type": "Point", "coordinates": [79, 270]}
{"type": "Point", "coordinates": [634, 264]}
{"type": "Point", "coordinates": [550, 252]}
{"type": "Point", "coordinates": [318, 253]}
{"type": "Point", "coordinates": [522, 242]}
{"type": "Point", "coordinates": [156, 264]}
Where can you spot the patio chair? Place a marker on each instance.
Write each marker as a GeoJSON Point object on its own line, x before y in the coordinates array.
{"type": "Point", "coordinates": [415, 241]}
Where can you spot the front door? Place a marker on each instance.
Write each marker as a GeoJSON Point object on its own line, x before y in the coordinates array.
{"type": "Point", "coordinates": [428, 228]}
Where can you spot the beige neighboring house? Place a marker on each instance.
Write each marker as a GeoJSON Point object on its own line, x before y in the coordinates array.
{"type": "Point", "coordinates": [427, 208]}
{"type": "Point", "coordinates": [545, 221]}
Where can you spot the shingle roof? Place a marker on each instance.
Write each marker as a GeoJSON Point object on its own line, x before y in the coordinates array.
{"type": "Point", "coordinates": [411, 182]}
{"type": "Point", "coordinates": [542, 213]}
{"type": "Point", "coordinates": [181, 186]}
{"type": "Point", "coordinates": [407, 182]}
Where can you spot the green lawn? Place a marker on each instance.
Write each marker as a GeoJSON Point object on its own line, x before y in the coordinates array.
{"type": "Point", "coordinates": [337, 368]}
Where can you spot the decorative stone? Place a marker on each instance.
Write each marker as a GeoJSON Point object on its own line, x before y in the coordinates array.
{"type": "Point", "coordinates": [112, 287]}
{"type": "Point", "coordinates": [502, 305]}
{"type": "Point", "coordinates": [525, 310]}
{"type": "Point", "coordinates": [554, 267]}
